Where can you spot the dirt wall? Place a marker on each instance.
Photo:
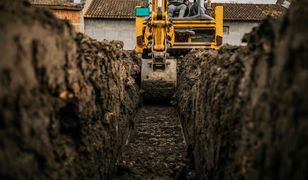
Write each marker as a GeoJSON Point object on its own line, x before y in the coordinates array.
{"type": "Point", "coordinates": [244, 109]}
{"type": "Point", "coordinates": [66, 100]}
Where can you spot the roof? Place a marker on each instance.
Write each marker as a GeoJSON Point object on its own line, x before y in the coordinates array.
{"type": "Point", "coordinates": [125, 9]}
{"type": "Point", "coordinates": [250, 12]}
{"type": "Point", "coordinates": [59, 4]}
{"type": "Point", "coordinates": [114, 9]}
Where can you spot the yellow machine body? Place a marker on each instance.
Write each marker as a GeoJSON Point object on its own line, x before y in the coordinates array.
{"type": "Point", "coordinates": [161, 39]}
{"type": "Point", "coordinates": [144, 32]}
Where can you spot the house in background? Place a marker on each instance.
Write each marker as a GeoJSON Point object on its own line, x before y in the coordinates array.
{"type": "Point", "coordinates": [72, 10]}
{"type": "Point", "coordinates": [241, 18]}
{"type": "Point", "coordinates": [115, 19]}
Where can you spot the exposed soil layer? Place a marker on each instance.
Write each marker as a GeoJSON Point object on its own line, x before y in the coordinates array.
{"type": "Point", "coordinates": [157, 92]}
{"type": "Point", "coordinates": [244, 109]}
{"type": "Point", "coordinates": [67, 105]}
{"type": "Point", "coordinates": [156, 148]}
{"type": "Point", "coordinates": [66, 100]}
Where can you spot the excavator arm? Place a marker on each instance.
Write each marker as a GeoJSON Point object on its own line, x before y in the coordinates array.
{"type": "Point", "coordinates": [160, 40]}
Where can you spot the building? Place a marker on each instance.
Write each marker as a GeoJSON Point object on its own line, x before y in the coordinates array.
{"type": "Point", "coordinates": [72, 10]}
{"type": "Point", "coordinates": [241, 18]}
{"type": "Point", "coordinates": [113, 20]}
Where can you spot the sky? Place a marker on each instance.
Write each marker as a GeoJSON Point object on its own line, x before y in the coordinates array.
{"type": "Point", "coordinates": [248, 1]}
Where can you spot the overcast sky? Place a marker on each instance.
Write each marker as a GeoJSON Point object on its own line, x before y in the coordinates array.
{"type": "Point", "coordinates": [248, 1]}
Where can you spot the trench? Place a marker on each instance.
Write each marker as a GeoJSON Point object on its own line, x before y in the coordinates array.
{"type": "Point", "coordinates": [70, 105]}
{"type": "Point", "coordinates": [156, 149]}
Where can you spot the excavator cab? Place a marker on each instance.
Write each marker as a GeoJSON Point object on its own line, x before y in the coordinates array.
{"type": "Point", "coordinates": [161, 40]}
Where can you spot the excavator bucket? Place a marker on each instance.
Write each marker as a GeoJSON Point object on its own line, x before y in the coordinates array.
{"type": "Point", "coordinates": [158, 84]}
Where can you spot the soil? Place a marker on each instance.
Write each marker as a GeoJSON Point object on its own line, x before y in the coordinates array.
{"type": "Point", "coordinates": [156, 149]}
{"type": "Point", "coordinates": [159, 92]}
{"type": "Point", "coordinates": [66, 101]}
{"type": "Point", "coordinates": [207, 102]}
{"type": "Point", "coordinates": [244, 109]}
{"type": "Point", "coordinates": [68, 105]}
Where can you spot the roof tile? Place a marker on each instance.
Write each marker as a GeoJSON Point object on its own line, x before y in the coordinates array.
{"type": "Point", "coordinates": [114, 9]}
{"type": "Point", "coordinates": [125, 9]}
{"type": "Point", "coordinates": [250, 12]}
{"type": "Point", "coordinates": [59, 3]}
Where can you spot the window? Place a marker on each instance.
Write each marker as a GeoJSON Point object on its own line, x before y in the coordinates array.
{"type": "Point", "coordinates": [226, 29]}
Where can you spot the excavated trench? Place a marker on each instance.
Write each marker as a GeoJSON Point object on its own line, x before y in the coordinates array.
{"type": "Point", "coordinates": [156, 149]}
{"type": "Point", "coordinates": [70, 105]}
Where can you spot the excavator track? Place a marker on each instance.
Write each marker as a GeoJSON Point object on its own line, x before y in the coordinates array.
{"type": "Point", "coordinates": [156, 148]}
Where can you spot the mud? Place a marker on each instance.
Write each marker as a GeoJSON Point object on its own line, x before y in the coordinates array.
{"type": "Point", "coordinates": [157, 92]}
{"type": "Point", "coordinates": [156, 149]}
{"type": "Point", "coordinates": [68, 105]}
{"type": "Point", "coordinates": [244, 109]}
{"type": "Point", "coordinates": [66, 101]}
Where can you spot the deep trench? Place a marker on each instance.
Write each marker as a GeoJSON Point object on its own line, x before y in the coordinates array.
{"type": "Point", "coordinates": [156, 148]}
{"type": "Point", "coordinates": [70, 105]}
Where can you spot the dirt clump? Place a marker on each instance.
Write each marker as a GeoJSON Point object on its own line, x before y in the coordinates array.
{"type": "Point", "coordinates": [66, 101]}
{"type": "Point", "coordinates": [244, 109]}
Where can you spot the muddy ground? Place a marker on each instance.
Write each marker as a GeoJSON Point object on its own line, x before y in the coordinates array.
{"type": "Point", "coordinates": [66, 100]}
{"type": "Point", "coordinates": [68, 105]}
{"type": "Point", "coordinates": [156, 148]}
{"type": "Point", "coordinates": [244, 109]}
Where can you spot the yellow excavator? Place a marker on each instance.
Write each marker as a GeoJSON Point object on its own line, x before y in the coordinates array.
{"type": "Point", "coordinates": [162, 38]}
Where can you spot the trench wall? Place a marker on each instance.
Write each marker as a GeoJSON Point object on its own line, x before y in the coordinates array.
{"type": "Point", "coordinates": [244, 109]}
{"type": "Point", "coordinates": [66, 100]}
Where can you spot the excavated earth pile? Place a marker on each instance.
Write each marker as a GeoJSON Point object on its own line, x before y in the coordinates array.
{"type": "Point", "coordinates": [66, 101]}
{"type": "Point", "coordinates": [244, 109]}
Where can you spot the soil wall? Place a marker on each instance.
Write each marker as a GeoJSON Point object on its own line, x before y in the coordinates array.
{"type": "Point", "coordinates": [244, 109]}
{"type": "Point", "coordinates": [66, 100]}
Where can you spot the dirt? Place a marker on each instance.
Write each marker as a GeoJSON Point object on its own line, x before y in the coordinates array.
{"type": "Point", "coordinates": [208, 109]}
{"type": "Point", "coordinates": [244, 109]}
{"type": "Point", "coordinates": [156, 149]}
{"type": "Point", "coordinates": [159, 92]}
{"type": "Point", "coordinates": [68, 105]}
{"type": "Point", "coordinates": [66, 101]}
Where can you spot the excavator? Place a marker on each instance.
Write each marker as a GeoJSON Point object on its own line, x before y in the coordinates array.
{"type": "Point", "coordinates": [162, 38]}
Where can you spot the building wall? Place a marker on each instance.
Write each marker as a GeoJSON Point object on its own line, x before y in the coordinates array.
{"type": "Point", "coordinates": [74, 16]}
{"type": "Point", "coordinates": [237, 31]}
{"type": "Point", "coordinates": [123, 30]}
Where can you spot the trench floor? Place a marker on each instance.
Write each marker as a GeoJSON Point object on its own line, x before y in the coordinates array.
{"type": "Point", "coordinates": [156, 148]}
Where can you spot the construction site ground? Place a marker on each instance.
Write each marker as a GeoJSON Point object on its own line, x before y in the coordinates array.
{"type": "Point", "coordinates": [70, 105]}
{"type": "Point", "coordinates": [156, 148]}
